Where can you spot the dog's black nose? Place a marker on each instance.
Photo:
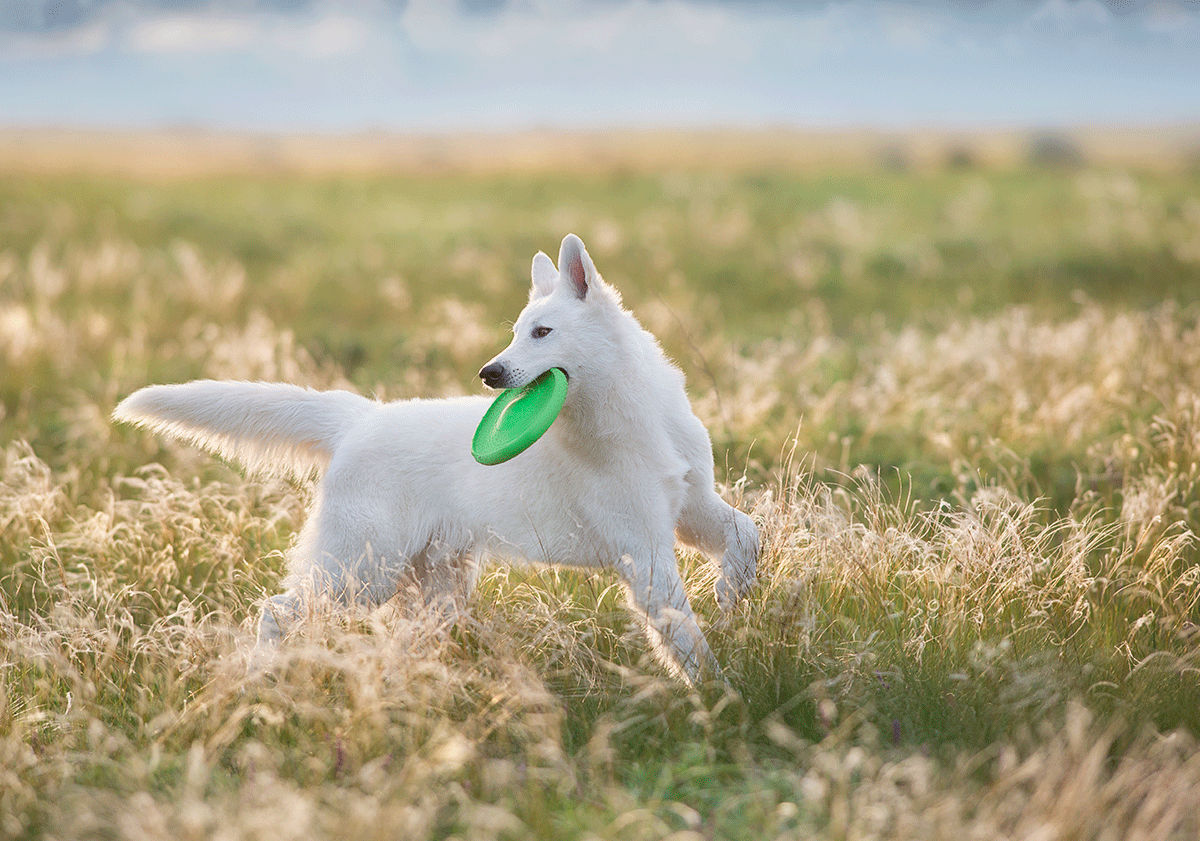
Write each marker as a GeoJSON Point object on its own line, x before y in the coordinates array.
{"type": "Point", "coordinates": [492, 374]}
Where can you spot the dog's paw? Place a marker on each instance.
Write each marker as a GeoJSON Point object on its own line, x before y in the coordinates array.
{"type": "Point", "coordinates": [739, 565]}
{"type": "Point", "coordinates": [262, 663]}
{"type": "Point", "coordinates": [737, 578]}
{"type": "Point", "coordinates": [730, 591]}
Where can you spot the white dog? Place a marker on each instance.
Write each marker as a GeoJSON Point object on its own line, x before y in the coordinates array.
{"type": "Point", "coordinates": [625, 469]}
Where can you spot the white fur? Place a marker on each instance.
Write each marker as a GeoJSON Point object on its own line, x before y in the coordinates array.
{"type": "Point", "coordinates": [625, 470]}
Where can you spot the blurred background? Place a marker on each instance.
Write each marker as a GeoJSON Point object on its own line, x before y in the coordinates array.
{"type": "Point", "coordinates": [292, 65]}
{"type": "Point", "coordinates": [381, 68]}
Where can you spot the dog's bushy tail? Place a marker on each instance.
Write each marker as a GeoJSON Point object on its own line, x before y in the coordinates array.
{"type": "Point", "coordinates": [268, 427]}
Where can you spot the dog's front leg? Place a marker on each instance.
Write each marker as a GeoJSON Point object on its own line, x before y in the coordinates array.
{"type": "Point", "coordinates": [719, 530]}
{"type": "Point", "coordinates": [656, 592]}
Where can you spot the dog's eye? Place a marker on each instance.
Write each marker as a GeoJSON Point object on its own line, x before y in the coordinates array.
{"type": "Point", "coordinates": [541, 332]}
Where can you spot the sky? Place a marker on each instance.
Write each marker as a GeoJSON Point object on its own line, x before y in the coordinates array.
{"type": "Point", "coordinates": [420, 65]}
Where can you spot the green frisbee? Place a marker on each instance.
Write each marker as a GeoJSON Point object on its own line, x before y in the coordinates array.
{"type": "Point", "coordinates": [518, 417]}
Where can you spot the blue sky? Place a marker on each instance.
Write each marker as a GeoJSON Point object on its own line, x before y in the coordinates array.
{"type": "Point", "coordinates": [287, 65]}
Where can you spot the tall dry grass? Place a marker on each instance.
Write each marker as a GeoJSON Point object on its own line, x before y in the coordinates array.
{"type": "Point", "coordinates": [976, 617]}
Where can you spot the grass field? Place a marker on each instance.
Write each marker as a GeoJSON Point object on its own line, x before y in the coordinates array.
{"type": "Point", "coordinates": [963, 404]}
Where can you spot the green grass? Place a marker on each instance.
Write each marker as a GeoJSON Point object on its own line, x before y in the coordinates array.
{"type": "Point", "coordinates": [963, 406]}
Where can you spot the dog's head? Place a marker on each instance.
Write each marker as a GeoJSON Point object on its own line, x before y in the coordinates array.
{"type": "Point", "coordinates": [570, 322]}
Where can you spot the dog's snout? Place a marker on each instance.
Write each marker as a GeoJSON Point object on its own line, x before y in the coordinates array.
{"type": "Point", "coordinates": [492, 374]}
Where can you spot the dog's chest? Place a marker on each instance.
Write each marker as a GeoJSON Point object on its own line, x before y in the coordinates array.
{"type": "Point", "coordinates": [643, 488]}
{"type": "Point", "coordinates": [590, 511]}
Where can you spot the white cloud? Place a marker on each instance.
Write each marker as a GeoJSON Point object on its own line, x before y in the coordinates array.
{"type": "Point", "coordinates": [1172, 21]}
{"type": "Point", "coordinates": [913, 29]}
{"type": "Point", "coordinates": [193, 34]}
{"type": "Point", "coordinates": [328, 36]}
{"type": "Point", "coordinates": [323, 33]}
{"type": "Point", "coordinates": [1070, 16]}
{"type": "Point", "coordinates": [568, 29]}
{"type": "Point", "coordinates": [80, 41]}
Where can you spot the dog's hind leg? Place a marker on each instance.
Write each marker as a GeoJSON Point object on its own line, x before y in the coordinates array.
{"type": "Point", "coordinates": [279, 614]}
{"type": "Point", "coordinates": [330, 584]}
{"type": "Point", "coordinates": [444, 585]}
{"type": "Point", "coordinates": [282, 612]}
{"type": "Point", "coordinates": [335, 564]}
{"type": "Point", "coordinates": [719, 530]}
{"type": "Point", "coordinates": [445, 579]}
{"type": "Point", "coordinates": [656, 592]}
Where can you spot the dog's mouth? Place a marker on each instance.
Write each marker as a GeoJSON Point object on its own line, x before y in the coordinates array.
{"type": "Point", "coordinates": [512, 378]}
{"type": "Point", "coordinates": [565, 372]}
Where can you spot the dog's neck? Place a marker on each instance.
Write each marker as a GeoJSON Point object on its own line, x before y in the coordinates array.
{"type": "Point", "coordinates": [611, 411]}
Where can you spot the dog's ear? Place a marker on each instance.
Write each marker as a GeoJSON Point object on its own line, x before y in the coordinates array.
{"type": "Point", "coordinates": [545, 275]}
{"type": "Point", "coordinates": [576, 267]}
